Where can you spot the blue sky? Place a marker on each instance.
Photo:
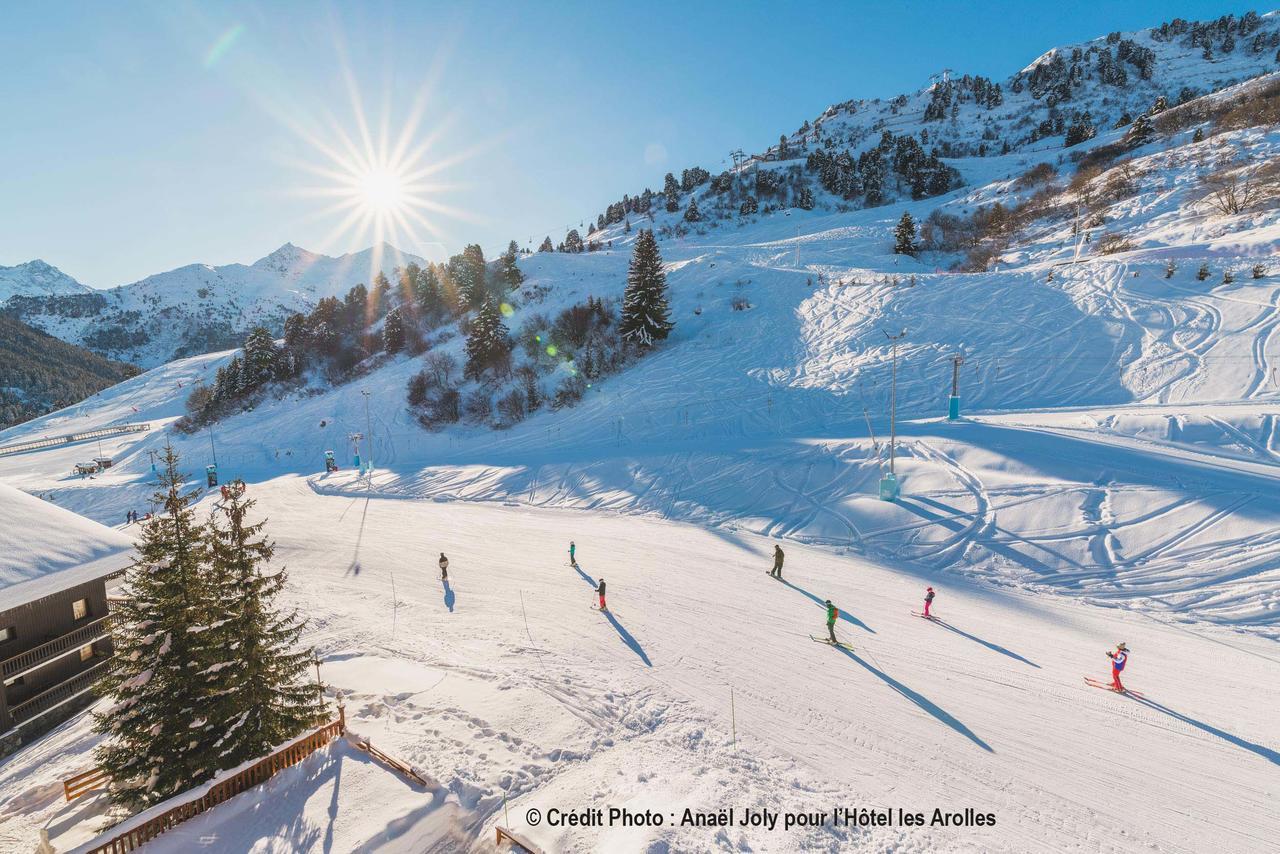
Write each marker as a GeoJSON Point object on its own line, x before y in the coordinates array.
{"type": "Point", "coordinates": [139, 137]}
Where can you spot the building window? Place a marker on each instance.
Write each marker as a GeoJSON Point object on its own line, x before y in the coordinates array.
{"type": "Point", "coordinates": [80, 609]}
{"type": "Point", "coordinates": [7, 634]}
{"type": "Point", "coordinates": [86, 652]}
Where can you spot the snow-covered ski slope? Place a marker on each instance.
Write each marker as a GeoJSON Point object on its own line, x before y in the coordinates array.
{"type": "Point", "coordinates": [505, 681]}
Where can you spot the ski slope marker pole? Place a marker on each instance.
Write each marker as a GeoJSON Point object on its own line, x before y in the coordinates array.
{"type": "Point", "coordinates": [733, 720]}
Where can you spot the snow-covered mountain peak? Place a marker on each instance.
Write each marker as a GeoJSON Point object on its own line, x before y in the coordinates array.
{"type": "Point", "coordinates": [37, 278]}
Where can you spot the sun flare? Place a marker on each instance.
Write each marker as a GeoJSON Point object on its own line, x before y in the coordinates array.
{"type": "Point", "coordinates": [380, 191]}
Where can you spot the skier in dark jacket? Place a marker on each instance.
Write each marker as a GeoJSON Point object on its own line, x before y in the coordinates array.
{"type": "Point", "coordinates": [928, 600]}
{"type": "Point", "coordinates": [777, 562]}
{"type": "Point", "coordinates": [444, 567]}
{"type": "Point", "coordinates": [832, 613]}
{"type": "Point", "coordinates": [600, 590]}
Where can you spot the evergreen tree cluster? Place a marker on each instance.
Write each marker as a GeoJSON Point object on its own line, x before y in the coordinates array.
{"type": "Point", "coordinates": [207, 673]}
{"type": "Point", "coordinates": [1081, 129]}
{"type": "Point", "coordinates": [946, 96]}
{"type": "Point", "coordinates": [337, 336]}
{"type": "Point", "coordinates": [901, 159]}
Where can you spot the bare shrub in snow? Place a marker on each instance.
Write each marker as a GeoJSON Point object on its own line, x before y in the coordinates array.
{"type": "Point", "coordinates": [512, 408]}
{"type": "Point", "coordinates": [1112, 242]}
{"type": "Point", "coordinates": [1232, 192]}
{"type": "Point", "coordinates": [477, 407]}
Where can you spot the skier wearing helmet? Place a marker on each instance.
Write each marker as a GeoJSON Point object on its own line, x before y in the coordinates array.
{"type": "Point", "coordinates": [928, 600]}
{"type": "Point", "coordinates": [1118, 659]}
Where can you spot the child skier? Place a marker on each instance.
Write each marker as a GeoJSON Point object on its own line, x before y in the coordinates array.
{"type": "Point", "coordinates": [444, 567]}
{"type": "Point", "coordinates": [572, 549]}
{"type": "Point", "coordinates": [1118, 659]}
{"type": "Point", "coordinates": [832, 613]}
{"type": "Point", "coordinates": [928, 600]}
{"type": "Point", "coordinates": [777, 562]}
{"type": "Point", "coordinates": [600, 590]}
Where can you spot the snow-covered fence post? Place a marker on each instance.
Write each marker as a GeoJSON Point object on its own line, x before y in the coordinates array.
{"type": "Point", "coordinates": [342, 718]}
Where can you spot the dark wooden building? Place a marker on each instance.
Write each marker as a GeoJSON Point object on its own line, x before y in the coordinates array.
{"type": "Point", "coordinates": [55, 620]}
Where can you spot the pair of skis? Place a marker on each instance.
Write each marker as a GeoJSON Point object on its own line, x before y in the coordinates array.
{"type": "Point", "coordinates": [840, 644]}
{"type": "Point", "coordinates": [923, 616]}
{"type": "Point", "coordinates": [1107, 686]}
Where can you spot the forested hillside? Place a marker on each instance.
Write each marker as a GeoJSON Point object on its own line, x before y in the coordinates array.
{"type": "Point", "coordinates": [39, 373]}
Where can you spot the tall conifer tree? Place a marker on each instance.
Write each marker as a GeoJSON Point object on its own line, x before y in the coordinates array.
{"type": "Point", "coordinates": [646, 317]}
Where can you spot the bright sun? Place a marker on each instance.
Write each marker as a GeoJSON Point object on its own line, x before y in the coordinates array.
{"type": "Point", "coordinates": [381, 191]}
{"type": "Point", "coordinates": [381, 182]}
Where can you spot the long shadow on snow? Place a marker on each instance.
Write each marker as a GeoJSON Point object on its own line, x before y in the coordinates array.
{"type": "Point", "coordinates": [449, 598]}
{"type": "Point", "coordinates": [627, 638]}
{"type": "Point", "coordinates": [994, 647]}
{"type": "Point", "coordinates": [1265, 752]}
{"type": "Point", "coordinates": [920, 700]}
{"type": "Point", "coordinates": [844, 615]}
{"type": "Point", "coordinates": [585, 577]}
{"type": "Point", "coordinates": [623, 633]}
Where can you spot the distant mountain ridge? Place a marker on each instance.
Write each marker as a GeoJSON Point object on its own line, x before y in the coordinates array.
{"type": "Point", "coordinates": [37, 279]}
{"type": "Point", "coordinates": [197, 308]}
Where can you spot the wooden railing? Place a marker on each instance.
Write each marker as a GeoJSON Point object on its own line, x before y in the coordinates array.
{"type": "Point", "coordinates": [84, 783]}
{"type": "Point", "coordinates": [222, 790]}
{"type": "Point", "coordinates": [55, 441]}
{"type": "Point", "coordinates": [390, 761]}
{"type": "Point", "coordinates": [24, 662]}
{"type": "Point", "coordinates": [515, 840]}
{"type": "Point", "coordinates": [58, 694]}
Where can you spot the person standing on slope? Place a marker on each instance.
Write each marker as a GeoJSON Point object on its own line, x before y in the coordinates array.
{"type": "Point", "coordinates": [444, 567]}
{"type": "Point", "coordinates": [832, 613]}
{"type": "Point", "coordinates": [1118, 659]}
{"type": "Point", "coordinates": [777, 562]}
{"type": "Point", "coordinates": [572, 548]}
{"type": "Point", "coordinates": [928, 600]}
{"type": "Point", "coordinates": [600, 590]}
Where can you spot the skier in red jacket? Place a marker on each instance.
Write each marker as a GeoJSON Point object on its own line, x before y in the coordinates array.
{"type": "Point", "coordinates": [928, 600]}
{"type": "Point", "coordinates": [1118, 659]}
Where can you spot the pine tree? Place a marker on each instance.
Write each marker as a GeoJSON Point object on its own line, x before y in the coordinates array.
{"type": "Point", "coordinates": [691, 214]}
{"type": "Point", "coordinates": [573, 241]}
{"type": "Point", "coordinates": [508, 271]}
{"type": "Point", "coordinates": [546, 246]}
{"type": "Point", "coordinates": [488, 345]}
{"type": "Point", "coordinates": [646, 317]}
{"type": "Point", "coordinates": [378, 298]}
{"type": "Point", "coordinates": [804, 199]}
{"type": "Point", "coordinates": [1141, 132]}
{"type": "Point", "coordinates": [426, 294]}
{"type": "Point", "coordinates": [159, 737]}
{"type": "Point", "coordinates": [393, 332]}
{"type": "Point", "coordinates": [467, 272]}
{"type": "Point", "coordinates": [671, 191]}
{"type": "Point", "coordinates": [355, 309]}
{"type": "Point", "coordinates": [261, 363]}
{"type": "Point", "coordinates": [266, 697]}
{"type": "Point", "coordinates": [904, 236]}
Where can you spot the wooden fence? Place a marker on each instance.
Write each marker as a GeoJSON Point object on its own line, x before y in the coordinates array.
{"type": "Point", "coordinates": [222, 790]}
{"type": "Point", "coordinates": [84, 783]}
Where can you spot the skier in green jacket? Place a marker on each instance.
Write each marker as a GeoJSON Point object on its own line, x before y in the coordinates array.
{"type": "Point", "coordinates": [832, 613]}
